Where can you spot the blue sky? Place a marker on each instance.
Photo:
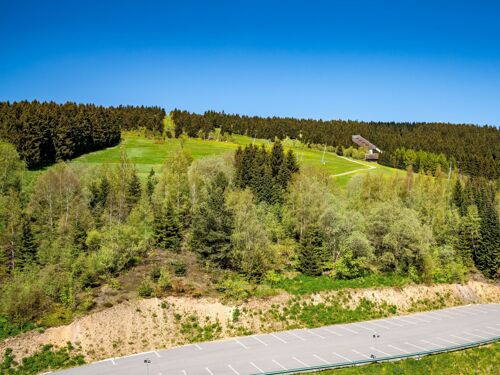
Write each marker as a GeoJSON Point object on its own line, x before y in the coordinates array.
{"type": "Point", "coordinates": [367, 60]}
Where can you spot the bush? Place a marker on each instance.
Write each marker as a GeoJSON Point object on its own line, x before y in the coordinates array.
{"type": "Point", "coordinates": [179, 267]}
{"type": "Point", "coordinates": [145, 289]}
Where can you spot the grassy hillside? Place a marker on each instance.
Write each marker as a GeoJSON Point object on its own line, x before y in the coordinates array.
{"type": "Point", "coordinates": [148, 153]}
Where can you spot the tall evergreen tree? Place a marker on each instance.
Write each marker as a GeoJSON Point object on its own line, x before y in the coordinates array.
{"type": "Point", "coordinates": [470, 239]}
{"type": "Point", "coordinates": [458, 198]}
{"type": "Point", "coordinates": [167, 229]}
{"type": "Point", "coordinates": [311, 252]}
{"type": "Point", "coordinates": [212, 225]}
{"type": "Point", "coordinates": [133, 189]}
{"type": "Point", "coordinates": [27, 248]}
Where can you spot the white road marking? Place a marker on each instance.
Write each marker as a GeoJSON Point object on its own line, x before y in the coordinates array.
{"type": "Point", "coordinates": [208, 370]}
{"type": "Point", "coordinates": [341, 356]}
{"type": "Point", "coordinates": [278, 338]}
{"type": "Point", "coordinates": [301, 362]}
{"type": "Point", "coordinates": [493, 328]}
{"type": "Point", "coordinates": [321, 359]}
{"type": "Point", "coordinates": [113, 361]}
{"type": "Point", "coordinates": [361, 354]}
{"type": "Point", "coordinates": [239, 342]}
{"type": "Point", "coordinates": [332, 331]}
{"type": "Point", "coordinates": [416, 346]}
{"type": "Point", "coordinates": [427, 315]}
{"type": "Point", "coordinates": [233, 370]}
{"type": "Point", "coordinates": [405, 321]}
{"type": "Point", "coordinates": [377, 325]}
{"type": "Point", "coordinates": [257, 367]}
{"type": "Point", "coordinates": [462, 338]}
{"type": "Point", "coordinates": [420, 319]}
{"type": "Point", "coordinates": [279, 364]}
{"type": "Point", "coordinates": [401, 350]}
{"type": "Point", "coordinates": [363, 327]}
{"type": "Point", "coordinates": [431, 343]}
{"type": "Point", "coordinates": [441, 313]}
{"type": "Point", "coordinates": [448, 341]}
{"type": "Point", "coordinates": [380, 351]}
{"type": "Point", "coordinates": [259, 340]}
{"type": "Point", "coordinates": [184, 372]}
{"type": "Point", "coordinates": [472, 334]}
{"type": "Point", "coordinates": [157, 354]}
{"type": "Point", "coordinates": [389, 321]}
{"type": "Point", "coordinates": [349, 330]}
{"type": "Point", "coordinates": [480, 309]}
{"type": "Point", "coordinates": [316, 334]}
{"type": "Point", "coordinates": [295, 335]}
{"type": "Point", "coordinates": [198, 346]}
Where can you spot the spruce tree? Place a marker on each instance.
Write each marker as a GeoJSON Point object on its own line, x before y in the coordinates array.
{"type": "Point", "coordinates": [27, 248]}
{"type": "Point", "coordinates": [167, 229]}
{"type": "Point", "coordinates": [277, 157]}
{"type": "Point", "coordinates": [212, 225]}
{"type": "Point", "coordinates": [470, 239]}
{"type": "Point", "coordinates": [150, 186]}
{"type": "Point", "coordinates": [311, 252]}
{"type": "Point", "coordinates": [133, 189]}
{"type": "Point", "coordinates": [458, 198]}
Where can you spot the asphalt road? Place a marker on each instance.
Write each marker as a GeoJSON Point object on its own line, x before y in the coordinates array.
{"type": "Point", "coordinates": [311, 347]}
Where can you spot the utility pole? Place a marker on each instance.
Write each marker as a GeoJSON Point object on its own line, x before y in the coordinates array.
{"type": "Point", "coordinates": [323, 157]}
{"type": "Point", "coordinates": [147, 361]}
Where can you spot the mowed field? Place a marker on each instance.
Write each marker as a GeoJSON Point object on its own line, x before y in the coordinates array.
{"type": "Point", "coordinates": [148, 153]}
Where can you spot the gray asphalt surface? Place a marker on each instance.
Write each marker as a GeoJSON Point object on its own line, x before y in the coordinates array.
{"type": "Point", "coordinates": [311, 347]}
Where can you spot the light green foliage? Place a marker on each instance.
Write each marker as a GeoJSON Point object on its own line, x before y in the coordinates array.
{"type": "Point", "coordinates": [46, 359]}
{"type": "Point", "coordinates": [251, 252]}
{"type": "Point", "coordinates": [11, 168]}
{"type": "Point", "coordinates": [480, 361]}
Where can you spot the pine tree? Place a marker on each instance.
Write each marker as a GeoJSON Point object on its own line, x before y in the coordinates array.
{"type": "Point", "coordinates": [27, 248]}
{"type": "Point", "coordinates": [167, 229]}
{"type": "Point", "coordinates": [470, 239]}
{"type": "Point", "coordinates": [212, 225]}
{"type": "Point", "coordinates": [277, 157]}
{"type": "Point", "coordinates": [133, 189]}
{"type": "Point", "coordinates": [150, 186]}
{"type": "Point", "coordinates": [458, 198]}
{"type": "Point", "coordinates": [311, 252]}
{"type": "Point", "coordinates": [488, 258]}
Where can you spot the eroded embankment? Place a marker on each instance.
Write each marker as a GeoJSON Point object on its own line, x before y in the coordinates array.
{"type": "Point", "coordinates": [143, 325]}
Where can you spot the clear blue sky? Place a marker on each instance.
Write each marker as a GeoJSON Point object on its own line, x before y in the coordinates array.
{"type": "Point", "coordinates": [369, 60]}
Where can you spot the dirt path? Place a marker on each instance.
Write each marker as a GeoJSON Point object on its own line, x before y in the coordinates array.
{"type": "Point", "coordinates": [368, 167]}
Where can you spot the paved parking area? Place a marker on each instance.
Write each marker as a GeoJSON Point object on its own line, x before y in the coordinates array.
{"type": "Point", "coordinates": [312, 347]}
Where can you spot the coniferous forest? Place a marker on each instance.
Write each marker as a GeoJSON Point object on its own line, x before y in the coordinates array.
{"type": "Point", "coordinates": [473, 150]}
{"type": "Point", "coordinates": [47, 132]}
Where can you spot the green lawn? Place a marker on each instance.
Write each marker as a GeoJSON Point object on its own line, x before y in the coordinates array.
{"type": "Point", "coordinates": [149, 153]}
{"type": "Point", "coordinates": [482, 360]}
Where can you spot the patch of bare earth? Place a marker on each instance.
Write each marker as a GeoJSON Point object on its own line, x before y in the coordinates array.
{"type": "Point", "coordinates": [143, 325]}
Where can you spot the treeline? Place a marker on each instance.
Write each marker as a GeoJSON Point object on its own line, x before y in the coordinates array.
{"type": "Point", "coordinates": [266, 173]}
{"type": "Point", "coordinates": [479, 233]}
{"type": "Point", "coordinates": [47, 132]}
{"type": "Point", "coordinates": [473, 149]}
{"type": "Point", "coordinates": [419, 161]}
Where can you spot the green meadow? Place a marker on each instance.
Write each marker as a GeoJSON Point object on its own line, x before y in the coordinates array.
{"type": "Point", "coordinates": [149, 154]}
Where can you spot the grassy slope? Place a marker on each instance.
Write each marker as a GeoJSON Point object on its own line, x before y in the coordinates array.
{"type": "Point", "coordinates": [482, 360]}
{"type": "Point", "coordinates": [147, 154]}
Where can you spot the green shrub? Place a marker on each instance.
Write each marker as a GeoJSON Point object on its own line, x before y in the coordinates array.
{"type": "Point", "coordinates": [145, 289]}
{"type": "Point", "coordinates": [179, 267]}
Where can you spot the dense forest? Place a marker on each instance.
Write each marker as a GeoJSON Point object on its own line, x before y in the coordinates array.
{"type": "Point", "coordinates": [248, 215]}
{"type": "Point", "coordinates": [473, 150]}
{"type": "Point", "coordinates": [47, 132]}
